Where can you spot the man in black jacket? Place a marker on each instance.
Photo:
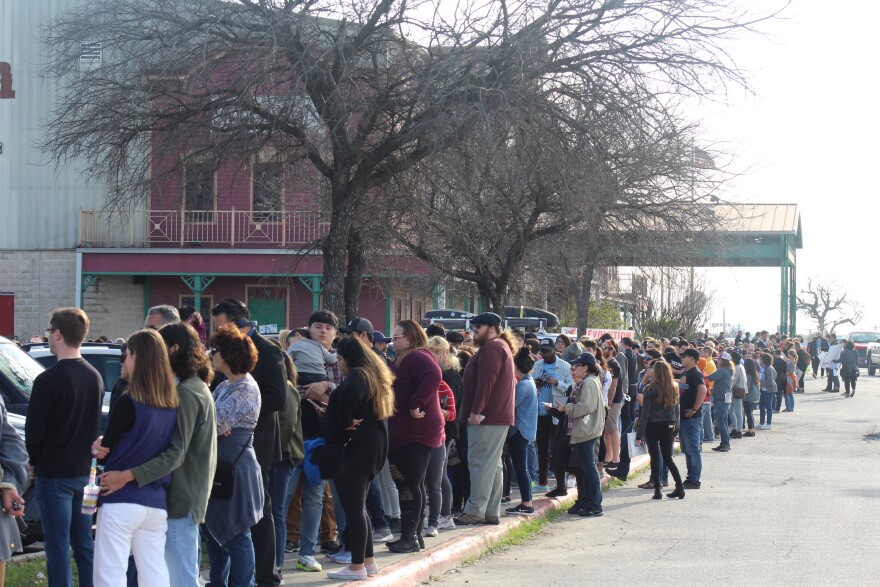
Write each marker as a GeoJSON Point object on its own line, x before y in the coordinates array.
{"type": "Point", "coordinates": [271, 377]}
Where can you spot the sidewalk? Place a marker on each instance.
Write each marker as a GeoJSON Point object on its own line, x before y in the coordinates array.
{"type": "Point", "coordinates": [443, 553]}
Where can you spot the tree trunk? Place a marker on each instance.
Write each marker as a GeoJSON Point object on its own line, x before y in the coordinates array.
{"type": "Point", "coordinates": [584, 293]}
{"type": "Point", "coordinates": [335, 247]}
{"type": "Point", "coordinates": [354, 276]}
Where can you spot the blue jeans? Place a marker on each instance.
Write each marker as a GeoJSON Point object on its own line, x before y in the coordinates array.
{"type": "Point", "coordinates": [280, 491]}
{"type": "Point", "coordinates": [722, 413]}
{"type": "Point", "coordinates": [586, 452]}
{"type": "Point", "coordinates": [689, 436]}
{"type": "Point", "coordinates": [183, 551]}
{"type": "Point", "coordinates": [789, 402]}
{"type": "Point", "coordinates": [375, 509]}
{"type": "Point", "coordinates": [767, 402]}
{"type": "Point", "coordinates": [532, 461]}
{"type": "Point", "coordinates": [232, 565]}
{"type": "Point", "coordinates": [312, 505]}
{"type": "Point", "coordinates": [708, 429]}
{"type": "Point", "coordinates": [64, 526]}
{"type": "Point", "coordinates": [519, 449]}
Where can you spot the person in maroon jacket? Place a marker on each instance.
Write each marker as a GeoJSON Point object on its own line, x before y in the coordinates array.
{"type": "Point", "coordinates": [487, 405]}
{"type": "Point", "coordinates": [414, 430]}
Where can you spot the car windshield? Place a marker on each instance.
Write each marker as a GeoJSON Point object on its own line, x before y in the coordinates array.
{"type": "Point", "coordinates": [864, 336]}
{"type": "Point", "coordinates": [18, 367]}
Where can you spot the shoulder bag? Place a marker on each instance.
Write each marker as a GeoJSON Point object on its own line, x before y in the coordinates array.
{"type": "Point", "coordinates": [224, 477]}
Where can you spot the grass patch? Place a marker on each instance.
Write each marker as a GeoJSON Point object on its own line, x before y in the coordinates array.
{"type": "Point", "coordinates": [518, 535]}
{"type": "Point", "coordinates": [31, 572]}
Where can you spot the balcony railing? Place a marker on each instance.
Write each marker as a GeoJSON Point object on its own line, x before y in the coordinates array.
{"type": "Point", "coordinates": [196, 228]}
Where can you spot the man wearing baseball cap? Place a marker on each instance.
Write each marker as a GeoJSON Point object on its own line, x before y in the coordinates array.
{"type": "Point", "coordinates": [488, 409]}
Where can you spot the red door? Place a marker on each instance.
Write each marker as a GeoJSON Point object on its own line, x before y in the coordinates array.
{"type": "Point", "coordinates": [7, 314]}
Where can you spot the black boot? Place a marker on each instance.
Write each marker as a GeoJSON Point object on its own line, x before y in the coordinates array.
{"type": "Point", "coordinates": [420, 540]}
{"type": "Point", "coordinates": [679, 492]}
{"type": "Point", "coordinates": [657, 493]}
{"type": "Point", "coordinates": [404, 544]}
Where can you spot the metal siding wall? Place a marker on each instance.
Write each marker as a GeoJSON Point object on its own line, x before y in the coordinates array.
{"type": "Point", "coordinates": [38, 205]}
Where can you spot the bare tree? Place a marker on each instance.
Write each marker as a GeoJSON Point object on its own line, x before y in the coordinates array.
{"type": "Point", "coordinates": [667, 300]}
{"type": "Point", "coordinates": [828, 304]}
{"type": "Point", "coordinates": [354, 92]}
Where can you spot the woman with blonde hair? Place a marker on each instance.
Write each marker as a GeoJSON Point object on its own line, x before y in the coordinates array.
{"type": "Point", "coordinates": [415, 429]}
{"type": "Point", "coordinates": [134, 519]}
{"type": "Point", "coordinates": [438, 484]}
{"type": "Point", "coordinates": [658, 422]}
{"type": "Point", "coordinates": [357, 417]}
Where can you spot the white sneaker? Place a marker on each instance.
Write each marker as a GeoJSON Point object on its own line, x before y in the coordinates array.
{"type": "Point", "coordinates": [371, 568]}
{"type": "Point", "coordinates": [308, 563]}
{"type": "Point", "coordinates": [382, 535]}
{"type": "Point", "coordinates": [430, 532]}
{"type": "Point", "coordinates": [343, 557]}
{"type": "Point", "coordinates": [445, 523]}
{"type": "Point", "coordinates": [346, 574]}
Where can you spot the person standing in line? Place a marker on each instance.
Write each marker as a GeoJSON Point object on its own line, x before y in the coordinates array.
{"type": "Point", "coordinates": [740, 388]}
{"type": "Point", "coordinates": [753, 395]}
{"type": "Point", "coordinates": [585, 423]}
{"type": "Point", "coordinates": [524, 429]}
{"type": "Point", "coordinates": [191, 458]}
{"type": "Point", "coordinates": [63, 420]}
{"type": "Point", "coordinates": [13, 481]}
{"type": "Point", "coordinates": [133, 519]}
{"type": "Point", "coordinates": [414, 430]}
{"type": "Point", "coordinates": [357, 416]}
{"type": "Point", "coordinates": [692, 392]}
{"type": "Point", "coordinates": [229, 521]}
{"type": "Point", "coordinates": [768, 391]}
{"type": "Point", "coordinates": [488, 398]}
{"type": "Point", "coordinates": [849, 368]}
{"type": "Point", "coordinates": [659, 417]}
{"type": "Point", "coordinates": [438, 484]}
{"type": "Point", "coordinates": [721, 400]}
{"type": "Point", "coordinates": [552, 377]}
{"type": "Point", "coordinates": [270, 376]}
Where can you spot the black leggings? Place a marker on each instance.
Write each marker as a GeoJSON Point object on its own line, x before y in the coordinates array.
{"type": "Point", "coordinates": [352, 489]}
{"type": "Point", "coordinates": [659, 436]}
{"type": "Point", "coordinates": [408, 465]}
{"type": "Point", "coordinates": [507, 471]}
{"type": "Point", "coordinates": [849, 385]}
{"type": "Point", "coordinates": [543, 439]}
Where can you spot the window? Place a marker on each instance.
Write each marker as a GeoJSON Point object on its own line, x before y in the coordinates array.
{"type": "Point", "coordinates": [198, 189]}
{"type": "Point", "coordinates": [268, 190]}
{"type": "Point", "coordinates": [91, 52]}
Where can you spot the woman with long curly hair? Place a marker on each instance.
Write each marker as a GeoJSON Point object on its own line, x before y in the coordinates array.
{"type": "Point", "coordinates": [658, 422]}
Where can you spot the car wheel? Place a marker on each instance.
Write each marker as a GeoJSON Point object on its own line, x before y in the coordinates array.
{"type": "Point", "coordinates": [871, 368]}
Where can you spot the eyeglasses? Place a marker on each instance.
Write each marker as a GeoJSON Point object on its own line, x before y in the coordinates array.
{"type": "Point", "coordinates": [49, 331]}
{"type": "Point", "coordinates": [398, 336]}
{"type": "Point", "coordinates": [212, 350]}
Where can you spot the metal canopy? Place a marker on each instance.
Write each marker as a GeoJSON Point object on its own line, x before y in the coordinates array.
{"type": "Point", "coordinates": [748, 235]}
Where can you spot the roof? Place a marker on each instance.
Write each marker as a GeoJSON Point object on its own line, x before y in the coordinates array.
{"type": "Point", "coordinates": [760, 218]}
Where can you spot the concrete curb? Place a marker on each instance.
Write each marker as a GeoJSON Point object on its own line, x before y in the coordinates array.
{"type": "Point", "coordinates": [444, 557]}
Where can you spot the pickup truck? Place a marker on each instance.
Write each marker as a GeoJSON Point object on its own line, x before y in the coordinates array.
{"type": "Point", "coordinates": [872, 356]}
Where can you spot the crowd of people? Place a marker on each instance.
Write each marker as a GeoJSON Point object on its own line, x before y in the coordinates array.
{"type": "Point", "coordinates": [335, 437]}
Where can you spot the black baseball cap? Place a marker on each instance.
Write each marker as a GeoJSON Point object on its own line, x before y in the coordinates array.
{"type": "Point", "coordinates": [358, 325]}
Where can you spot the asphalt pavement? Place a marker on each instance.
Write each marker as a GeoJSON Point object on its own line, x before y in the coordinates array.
{"type": "Point", "coordinates": [797, 505]}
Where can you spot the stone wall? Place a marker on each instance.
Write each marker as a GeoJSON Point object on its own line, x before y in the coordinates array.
{"type": "Point", "coordinates": [115, 305]}
{"type": "Point", "coordinates": [41, 281]}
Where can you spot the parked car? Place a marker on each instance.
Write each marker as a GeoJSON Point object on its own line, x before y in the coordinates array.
{"type": "Point", "coordinates": [872, 356]}
{"type": "Point", "coordinates": [17, 374]}
{"type": "Point", "coordinates": [103, 356]}
{"type": "Point", "coordinates": [861, 339]}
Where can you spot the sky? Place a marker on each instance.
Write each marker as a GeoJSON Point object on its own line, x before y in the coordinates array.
{"type": "Point", "coordinates": [807, 135]}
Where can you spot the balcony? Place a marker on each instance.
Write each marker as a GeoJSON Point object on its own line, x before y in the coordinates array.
{"type": "Point", "coordinates": [195, 228]}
